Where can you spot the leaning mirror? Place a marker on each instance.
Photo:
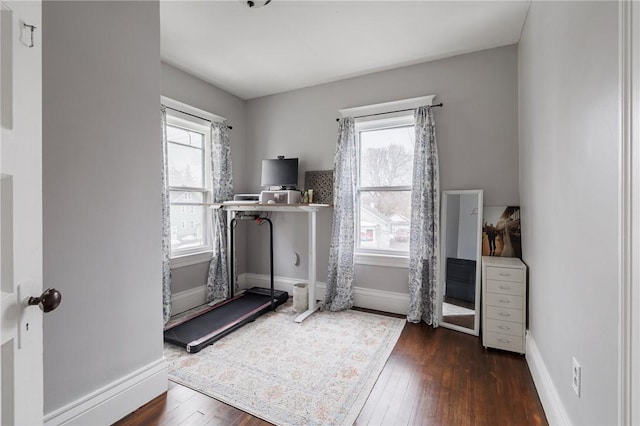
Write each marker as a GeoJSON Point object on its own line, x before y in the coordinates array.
{"type": "Point", "coordinates": [461, 239]}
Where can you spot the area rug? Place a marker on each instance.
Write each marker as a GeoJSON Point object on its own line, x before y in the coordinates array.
{"type": "Point", "coordinates": [317, 372]}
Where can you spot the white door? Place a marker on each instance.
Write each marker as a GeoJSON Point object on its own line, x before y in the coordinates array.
{"type": "Point", "coordinates": [20, 212]}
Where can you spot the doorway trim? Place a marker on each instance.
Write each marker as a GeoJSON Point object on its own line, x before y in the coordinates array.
{"type": "Point", "coordinates": [629, 207]}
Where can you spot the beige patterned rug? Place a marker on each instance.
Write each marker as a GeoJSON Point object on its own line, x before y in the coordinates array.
{"type": "Point", "coordinates": [318, 372]}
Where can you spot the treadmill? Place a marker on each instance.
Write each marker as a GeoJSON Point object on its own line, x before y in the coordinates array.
{"type": "Point", "coordinates": [197, 331]}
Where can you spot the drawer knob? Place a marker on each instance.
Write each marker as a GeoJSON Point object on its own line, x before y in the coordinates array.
{"type": "Point", "coordinates": [504, 327]}
{"type": "Point", "coordinates": [504, 314]}
{"type": "Point", "coordinates": [505, 287]}
{"type": "Point", "coordinates": [504, 340]}
{"type": "Point", "coordinates": [504, 274]}
{"type": "Point", "coordinates": [505, 301]}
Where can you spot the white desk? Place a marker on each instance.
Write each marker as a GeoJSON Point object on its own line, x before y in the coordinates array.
{"type": "Point", "coordinates": [311, 210]}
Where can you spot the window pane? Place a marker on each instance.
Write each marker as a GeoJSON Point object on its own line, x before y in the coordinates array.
{"type": "Point", "coordinates": [185, 166]}
{"type": "Point", "coordinates": [386, 156]}
{"type": "Point", "coordinates": [186, 197]}
{"type": "Point", "coordinates": [187, 227]}
{"type": "Point", "coordinates": [384, 220]}
{"type": "Point", "coordinates": [185, 137]}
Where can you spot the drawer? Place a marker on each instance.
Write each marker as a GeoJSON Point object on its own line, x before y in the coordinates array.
{"type": "Point", "coordinates": [504, 327]}
{"type": "Point", "coordinates": [505, 314]}
{"type": "Point", "coordinates": [504, 341]}
{"type": "Point", "coordinates": [505, 300]}
{"type": "Point", "coordinates": [505, 287]}
{"type": "Point", "coordinates": [505, 274]}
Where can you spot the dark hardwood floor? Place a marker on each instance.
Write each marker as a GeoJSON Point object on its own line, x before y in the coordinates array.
{"type": "Point", "coordinates": [433, 377]}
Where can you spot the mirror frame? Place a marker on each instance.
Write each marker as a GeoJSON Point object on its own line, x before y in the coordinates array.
{"type": "Point", "coordinates": [443, 259]}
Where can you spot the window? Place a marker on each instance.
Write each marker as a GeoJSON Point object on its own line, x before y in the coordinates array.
{"type": "Point", "coordinates": [383, 188]}
{"type": "Point", "coordinates": [188, 168]}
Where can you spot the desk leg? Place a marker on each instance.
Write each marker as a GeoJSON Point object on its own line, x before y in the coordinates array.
{"type": "Point", "coordinates": [230, 256]}
{"type": "Point", "coordinates": [312, 268]}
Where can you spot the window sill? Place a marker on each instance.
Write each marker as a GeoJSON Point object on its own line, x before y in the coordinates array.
{"type": "Point", "coordinates": [394, 261]}
{"type": "Point", "coordinates": [190, 259]}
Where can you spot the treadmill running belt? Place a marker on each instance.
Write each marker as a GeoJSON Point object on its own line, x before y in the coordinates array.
{"type": "Point", "coordinates": [196, 333]}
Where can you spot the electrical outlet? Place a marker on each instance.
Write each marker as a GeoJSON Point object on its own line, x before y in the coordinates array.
{"type": "Point", "coordinates": [576, 377]}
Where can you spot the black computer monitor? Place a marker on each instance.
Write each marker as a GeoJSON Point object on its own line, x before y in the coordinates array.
{"type": "Point", "coordinates": [282, 172]}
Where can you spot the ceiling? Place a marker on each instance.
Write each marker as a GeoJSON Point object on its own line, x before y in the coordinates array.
{"type": "Point", "coordinates": [286, 45]}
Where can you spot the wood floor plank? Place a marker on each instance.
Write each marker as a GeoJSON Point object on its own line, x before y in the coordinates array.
{"type": "Point", "coordinates": [432, 377]}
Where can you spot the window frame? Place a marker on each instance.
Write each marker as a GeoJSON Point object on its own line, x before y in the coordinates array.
{"type": "Point", "coordinates": [201, 253]}
{"type": "Point", "coordinates": [369, 256]}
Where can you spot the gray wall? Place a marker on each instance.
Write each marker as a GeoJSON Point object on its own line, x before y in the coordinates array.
{"type": "Point", "coordinates": [183, 87]}
{"type": "Point", "coordinates": [189, 277]}
{"type": "Point", "coordinates": [101, 193]}
{"type": "Point", "coordinates": [477, 140]}
{"type": "Point", "coordinates": [568, 79]}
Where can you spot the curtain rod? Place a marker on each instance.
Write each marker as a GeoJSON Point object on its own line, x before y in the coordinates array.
{"type": "Point", "coordinates": [390, 112]}
{"type": "Point", "coordinates": [193, 115]}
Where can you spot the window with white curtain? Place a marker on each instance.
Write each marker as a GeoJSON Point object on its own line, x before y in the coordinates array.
{"type": "Point", "coordinates": [385, 145]}
{"type": "Point", "coordinates": [188, 158]}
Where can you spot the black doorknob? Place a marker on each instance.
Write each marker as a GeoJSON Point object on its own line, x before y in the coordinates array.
{"type": "Point", "coordinates": [48, 301]}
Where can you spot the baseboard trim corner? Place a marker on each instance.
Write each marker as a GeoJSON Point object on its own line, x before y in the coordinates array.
{"type": "Point", "coordinates": [185, 300]}
{"type": "Point", "coordinates": [116, 400]}
{"type": "Point", "coordinates": [551, 403]}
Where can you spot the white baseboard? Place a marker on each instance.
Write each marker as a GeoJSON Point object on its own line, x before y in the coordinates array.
{"type": "Point", "coordinates": [116, 400]}
{"type": "Point", "coordinates": [188, 299]}
{"type": "Point", "coordinates": [380, 300]}
{"type": "Point", "coordinates": [553, 407]}
{"type": "Point", "coordinates": [248, 280]}
{"type": "Point", "coordinates": [386, 301]}
{"type": "Point", "coordinates": [197, 296]}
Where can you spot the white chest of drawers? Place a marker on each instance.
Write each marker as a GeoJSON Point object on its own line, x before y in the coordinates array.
{"type": "Point", "coordinates": [504, 303]}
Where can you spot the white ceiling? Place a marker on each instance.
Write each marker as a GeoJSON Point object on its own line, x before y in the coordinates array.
{"type": "Point", "coordinates": [292, 44]}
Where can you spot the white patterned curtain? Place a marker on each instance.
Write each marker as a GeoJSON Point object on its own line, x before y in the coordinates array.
{"type": "Point", "coordinates": [424, 240]}
{"type": "Point", "coordinates": [166, 224]}
{"type": "Point", "coordinates": [339, 292]}
{"type": "Point", "coordinates": [222, 177]}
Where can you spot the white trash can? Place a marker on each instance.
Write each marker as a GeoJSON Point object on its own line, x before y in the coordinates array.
{"type": "Point", "coordinates": [300, 297]}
